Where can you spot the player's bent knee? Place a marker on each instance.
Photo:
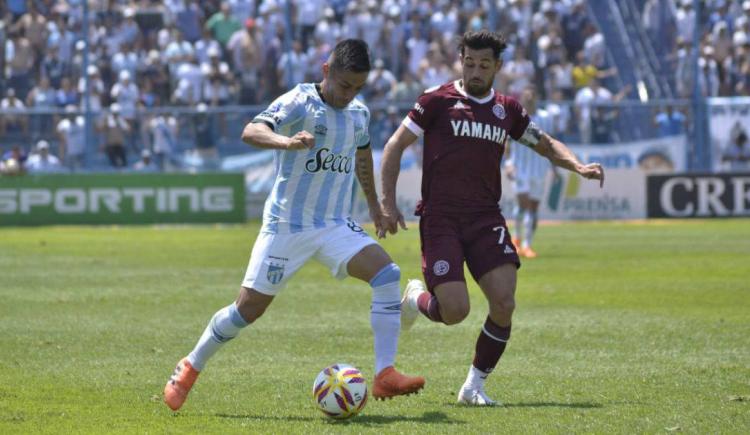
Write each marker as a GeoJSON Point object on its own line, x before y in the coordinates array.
{"type": "Point", "coordinates": [504, 305]}
{"type": "Point", "coordinates": [454, 313]}
{"type": "Point", "coordinates": [252, 304]}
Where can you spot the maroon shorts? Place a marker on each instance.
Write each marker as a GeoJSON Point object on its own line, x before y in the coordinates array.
{"type": "Point", "coordinates": [481, 240]}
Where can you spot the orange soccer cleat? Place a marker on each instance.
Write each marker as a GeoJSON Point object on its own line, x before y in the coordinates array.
{"type": "Point", "coordinates": [516, 243]}
{"type": "Point", "coordinates": [528, 252]}
{"type": "Point", "coordinates": [389, 383]}
{"type": "Point", "coordinates": [179, 385]}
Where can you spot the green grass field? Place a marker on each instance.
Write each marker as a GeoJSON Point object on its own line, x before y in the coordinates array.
{"type": "Point", "coordinates": [620, 328]}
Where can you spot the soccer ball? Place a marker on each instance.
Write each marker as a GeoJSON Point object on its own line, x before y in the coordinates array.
{"type": "Point", "coordinates": [340, 391]}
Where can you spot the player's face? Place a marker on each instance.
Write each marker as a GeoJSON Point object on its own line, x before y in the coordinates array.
{"type": "Point", "coordinates": [340, 87]}
{"type": "Point", "coordinates": [479, 69]}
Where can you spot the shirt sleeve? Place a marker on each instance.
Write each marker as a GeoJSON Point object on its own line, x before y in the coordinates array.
{"type": "Point", "coordinates": [422, 115]}
{"type": "Point", "coordinates": [519, 117]}
{"type": "Point", "coordinates": [285, 110]}
{"type": "Point", "coordinates": [362, 140]}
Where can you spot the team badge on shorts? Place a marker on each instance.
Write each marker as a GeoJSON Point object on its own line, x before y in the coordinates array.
{"type": "Point", "coordinates": [499, 111]}
{"type": "Point", "coordinates": [441, 267]}
{"type": "Point", "coordinates": [275, 273]}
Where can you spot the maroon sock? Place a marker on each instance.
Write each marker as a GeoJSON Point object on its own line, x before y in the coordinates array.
{"type": "Point", "coordinates": [428, 305]}
{"type": "Point", "coordinates": [490, 345]}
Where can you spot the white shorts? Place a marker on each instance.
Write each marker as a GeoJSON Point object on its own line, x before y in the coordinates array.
{"type": "Point", "coordinates": [532, 186]}
{"type": "Point", "coordinates": [276, 257]}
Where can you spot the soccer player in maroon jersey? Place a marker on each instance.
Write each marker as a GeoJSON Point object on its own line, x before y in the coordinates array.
{"type": "Point", "coordinates": [465, 125]}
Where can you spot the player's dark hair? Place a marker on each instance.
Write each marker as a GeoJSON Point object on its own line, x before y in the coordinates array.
{"type": "Point", "coordinates": [351, 55]}
{"type": "Point", "coordinates": [483, 39]}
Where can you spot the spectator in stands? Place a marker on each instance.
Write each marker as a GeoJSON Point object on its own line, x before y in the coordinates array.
{"type": "Point", "coordinates": [42, 96]}
{"type": "Point", "coordinates": [215, 67]}
{"type": "Point", "coordinates": [205, 136]}
{"type": "Point", "coordinates": [43, 161]}
{"type": "Point", "coordinates": [96, 88]}
{"type": "Point", "coordinates": [685, 20]}
{"type": "Point", "coordinates": [561, 115]}
{"type": "Point", "coordinates": [736, 155]}
{"type": "Point", "coordinates": [21, 58]}
{"type": "Point", "coordinates": [164, 142]}
{"type": "Point", "coordinates": [66, 95]}
{"type": "Point", "coordinates": [309, 12]}
{"type": "Point", "coordinates": [595, 116]}
{"type": "Point", "coordinates": [71, 132]}
{"type": "Point", "coordinates": [125, 60]}
{"type": "Point", "coordinates": [12, 122]}
{"type": "Point", "coordinates": [205, 46]}
{"type": "Point", "coordinates": [177, 50]}
{"type": "Point", "coordinates": [708, 73]}
{"type": "Point", "coordinates": [573, 25]}
{"type": "Point", "coordinates": [154, 70]}
{"type": "Point", "coordinates": [145, 164]}
{"type": "Point", "coordinates": [380, 82]}
{"type": "Point", "coordinates": [34, 26]}
{"type": "Point", "coordinates": [188, 20]}
{"type": "Point", "coordinates": [223, 25]}
{"type": "Point", "coordinates": [128, 30]}
{"type": "Point", "coordinates": [126, 94]}
{"type": "Point", "coordinates": [189, 75]}
{"type": "Point", "coordinates": [434, 70]}
{"type": "Point", "coordinates": [328, 30]}
{"type": "Point", "coordinates": [560, 78]}
{"type": "Point", "coordinates": [115, 130]}
{"type": "Point", "coordinates": [407, 90]}
{"type": "Point", "coordinates": [519, 72]}
{"type": "Point", "coordinates": [246, 57]}
{"type": "Point", "coordinates": [53, 67]}
{"type": "Point", "coordinates": [584, 71]}
{"type": "Point", "coordinates": [292, 66]}
{"type": "Point", "coordinates": [417, 45]}
{"type": "Point", "coordinates": [669, 122]}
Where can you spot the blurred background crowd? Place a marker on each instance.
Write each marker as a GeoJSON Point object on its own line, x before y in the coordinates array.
{"type": "Point", "coordinates": [168, 85]}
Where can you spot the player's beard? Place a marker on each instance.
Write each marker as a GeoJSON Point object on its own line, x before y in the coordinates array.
{"type": "Point", "coordinates": [477, 90]}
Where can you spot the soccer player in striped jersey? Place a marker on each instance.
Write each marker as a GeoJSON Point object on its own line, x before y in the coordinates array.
{"type": "Point", "coordinates": [528, 170]}
{"type": "Point", "coordinates": [320, 135]}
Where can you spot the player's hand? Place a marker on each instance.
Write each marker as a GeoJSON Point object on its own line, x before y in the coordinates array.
{"type": "Point", "coordinates": [376, 214]}
{"type": "Point", "coordinates": [301, 141]}
{"type": "Point", "coordinates": [593, 171]}
{"type": "Point", "coordinates": [392, 219]}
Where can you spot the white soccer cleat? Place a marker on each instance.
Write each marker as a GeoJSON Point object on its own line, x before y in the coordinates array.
{"type": "Point", "coordinates": [475, 397]}
{"type": "Point", "coordinates": [409, 308]}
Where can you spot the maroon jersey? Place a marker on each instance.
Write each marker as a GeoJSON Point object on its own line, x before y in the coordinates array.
{"type": "Point", "coordinates": [464, 140]}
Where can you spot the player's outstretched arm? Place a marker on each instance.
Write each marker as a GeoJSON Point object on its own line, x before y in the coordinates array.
{"type": "Point", "coordinates": [363, 167]}
{"type": "Point", "coordinates": [559, 154]}
{"type": "Point", "coordinates": [390, 168]}
{"type": "Point", "coordinates": [262, 136]}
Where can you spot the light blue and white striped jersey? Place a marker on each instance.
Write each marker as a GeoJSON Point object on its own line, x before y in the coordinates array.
{"type": "Point", "coordinates": [313, 188]}
{"type": "Point", "coordinates": [528, 163]}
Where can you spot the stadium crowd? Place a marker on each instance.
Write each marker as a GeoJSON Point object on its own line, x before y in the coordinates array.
{"type": "Point", "coordinates": [724, 50]}
{"type": "Point", "coordinates": [148, 54]}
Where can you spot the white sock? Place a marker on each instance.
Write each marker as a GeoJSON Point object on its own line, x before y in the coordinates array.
{"type": "Point", "coordinates": [385, 315]}
{"type": "Point", "coordinates": [529, 220]}
{"type": "Point", "coordinates": [223, 326]}
{"type": "Point", "coordinates": [475, 379]}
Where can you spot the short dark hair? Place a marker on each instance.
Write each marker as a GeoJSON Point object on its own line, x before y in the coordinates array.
{"type": "Point", "coordinates": [352, 55]}
{"type": "Point", "coordinates": [483, 39]}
